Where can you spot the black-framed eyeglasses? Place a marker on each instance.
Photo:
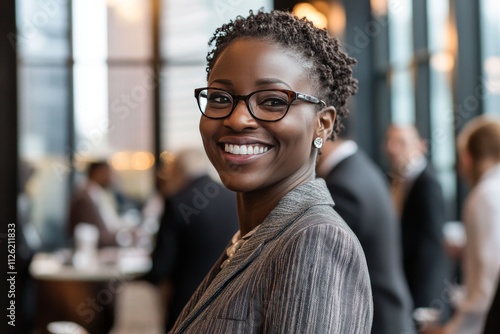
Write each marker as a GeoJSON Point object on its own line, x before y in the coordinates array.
{"type": "Point", "coordinates": [268, 105]}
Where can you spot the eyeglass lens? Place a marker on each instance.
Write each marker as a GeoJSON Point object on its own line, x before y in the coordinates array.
{"type": "Point", "coordinates": [264, 105]}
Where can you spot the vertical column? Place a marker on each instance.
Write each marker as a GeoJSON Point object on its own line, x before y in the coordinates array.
{"type": "Point", "coordinates": [381, 90]}
{"type": "Point", "coordinates": [9, 149]}
{"type": "Point", "coordinates": [361, 29]}
{"type": "Point", "coordinates": [468, 102]}
{"type": "Point", "coordinates": [422, 81]}
{"type": "Point", "coordinates": [157, 66]}
{"type": "Point", "coordinates": [467, 77]}
{"type": "Point", "coordinates": [70, 126]}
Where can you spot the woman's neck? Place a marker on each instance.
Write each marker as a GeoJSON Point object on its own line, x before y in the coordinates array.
{"type": "Point", "coordinates": [255, 206]}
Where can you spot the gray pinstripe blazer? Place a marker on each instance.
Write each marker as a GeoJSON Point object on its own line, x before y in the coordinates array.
{"type": "Point", "coordinates": [303, 271]}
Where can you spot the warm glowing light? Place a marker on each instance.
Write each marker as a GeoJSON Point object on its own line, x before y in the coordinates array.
{"type": "Point", "coordinates": [452, 36]}
{"type": "Point", "coordinates": [311, 13]}
{"type": "Point", "coordinates": [379, 7]}
{"type": "Point", "coordinates": [120, 161]}
{"type": "Point", "coordinates": [130, 10]}
{"type": "Point", "coordinates": [132, 160]}
{"type": "Point", "coordinates": [442, 62]}
{"type": "Point", "coordinates": [336, 19]}
{"type": "Point", "coordinates": [142, 160]}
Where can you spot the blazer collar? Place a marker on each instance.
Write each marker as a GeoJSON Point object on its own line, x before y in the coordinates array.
{"type": "Point", "coordinates": [292, 206]}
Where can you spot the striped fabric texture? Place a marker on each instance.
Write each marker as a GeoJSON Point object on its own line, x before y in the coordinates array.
{"type": "Point", "coordinates": [303, 271]}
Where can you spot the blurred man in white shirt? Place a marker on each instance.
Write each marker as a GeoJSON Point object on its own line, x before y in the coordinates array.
{"type": "Point", "coordinates": [479, 153]}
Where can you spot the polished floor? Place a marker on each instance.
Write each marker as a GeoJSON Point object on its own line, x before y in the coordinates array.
{"type": "Point", "coordinates": [138, 310]}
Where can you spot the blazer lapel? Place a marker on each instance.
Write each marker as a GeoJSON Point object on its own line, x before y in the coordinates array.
{"type": "Point", "coordinates": [240, 261]}
{"type": "Point", "coordinates": [289, 209]}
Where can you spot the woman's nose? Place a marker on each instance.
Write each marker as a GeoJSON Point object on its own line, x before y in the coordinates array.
{"type": "Point", "coordinates": [241, 118]}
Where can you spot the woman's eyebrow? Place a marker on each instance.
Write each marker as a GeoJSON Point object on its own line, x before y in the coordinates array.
{"type": "Point", "coordinates": [259, 82]}
{"type": "Point", "coordinates": [267, 81]}
{"type": "Point", "coordinates": [225, 82]}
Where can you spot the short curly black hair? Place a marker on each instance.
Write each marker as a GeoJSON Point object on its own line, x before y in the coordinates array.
{"type": "Point", "coordinates": [332, 66]}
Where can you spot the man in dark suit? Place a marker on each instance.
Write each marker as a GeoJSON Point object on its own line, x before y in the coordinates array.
{"type": "Point", "coordinates": [197, 225]}
{"type": "Point", "coordinates": [419, 201]}
{"type": "Point", "coordinates": [362, 198]}
{"type": "Point", "coordinates": [95, 204]}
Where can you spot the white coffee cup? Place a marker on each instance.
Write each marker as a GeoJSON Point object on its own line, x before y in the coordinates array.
{"type": "Point", "coordinates": [65, 327]}
{"type": "Point", "coordinates": [86, 242]}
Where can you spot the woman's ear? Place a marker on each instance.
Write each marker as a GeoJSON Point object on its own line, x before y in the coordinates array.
{"type": "Point", "coordinates": [326, 120]}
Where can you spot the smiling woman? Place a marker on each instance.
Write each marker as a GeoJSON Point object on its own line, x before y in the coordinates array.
{"type": "Point", "coordinates": [277, 88]}
{"type": "Point", "coordinates": [290, 158]}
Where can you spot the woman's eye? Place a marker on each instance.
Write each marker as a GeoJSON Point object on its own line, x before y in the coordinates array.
{"type": "Point", "coordinates": [219, 98]}
{"type": "Point", "coordinates": [273, 102]}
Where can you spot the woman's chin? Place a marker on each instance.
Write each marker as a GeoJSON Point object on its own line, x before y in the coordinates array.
{"type": "Point", "coordinates": [238, 182]}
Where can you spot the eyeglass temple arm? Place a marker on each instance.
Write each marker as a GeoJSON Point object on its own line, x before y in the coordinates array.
{"type": "Point", "coordinates": [310, 98]}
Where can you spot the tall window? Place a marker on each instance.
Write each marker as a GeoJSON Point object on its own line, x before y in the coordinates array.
{"type": "Point", "coordinates": [489, 86]}
{"type": "Point", "coordinates": [44, 112]}
{"type": "Point", "coordinates": [186, 29]}
{"type": "Point", "coordinates": [442, 49]}
{"type": "Point", "coordinates": [401, 57]}
{"type": "Point", "coordinates": [130, 86]}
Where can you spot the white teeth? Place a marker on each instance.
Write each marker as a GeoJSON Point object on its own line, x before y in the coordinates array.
{"type": "Point", "coordinates": [244, 149]}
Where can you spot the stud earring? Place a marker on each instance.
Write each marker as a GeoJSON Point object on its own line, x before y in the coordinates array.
{"type": "Point", "coordinates": [318, 142]}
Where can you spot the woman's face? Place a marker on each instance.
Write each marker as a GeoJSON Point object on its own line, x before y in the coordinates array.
{"type": "Point", "coordinates": [243, 67]}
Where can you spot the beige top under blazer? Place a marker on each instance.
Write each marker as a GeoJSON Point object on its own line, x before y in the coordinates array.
{"type": "Point", "coordinates": [303, 271]}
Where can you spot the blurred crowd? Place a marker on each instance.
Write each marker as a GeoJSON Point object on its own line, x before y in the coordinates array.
{"type": "Point", "coordinates": [423, 280]}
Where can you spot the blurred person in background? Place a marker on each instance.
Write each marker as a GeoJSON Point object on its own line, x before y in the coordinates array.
{"type": "Point", "coordinates": [94, 203]}
{"type": "Point", "coordinates": [198, 222]}
{"type": "Point", "coordinates": [154, 205]}
{"type": "Point", "coordinates": [492, 325]}
{"type": "Point", "coordinates": [419, 202]}
{"type": "Point", "coordinates": [479, 163]}
{"type": "Point", "coordinates": [361, 196]}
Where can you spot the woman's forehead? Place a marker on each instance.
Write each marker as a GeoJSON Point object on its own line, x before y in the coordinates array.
{"type": "Point", "coordinates": [254, 60]}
